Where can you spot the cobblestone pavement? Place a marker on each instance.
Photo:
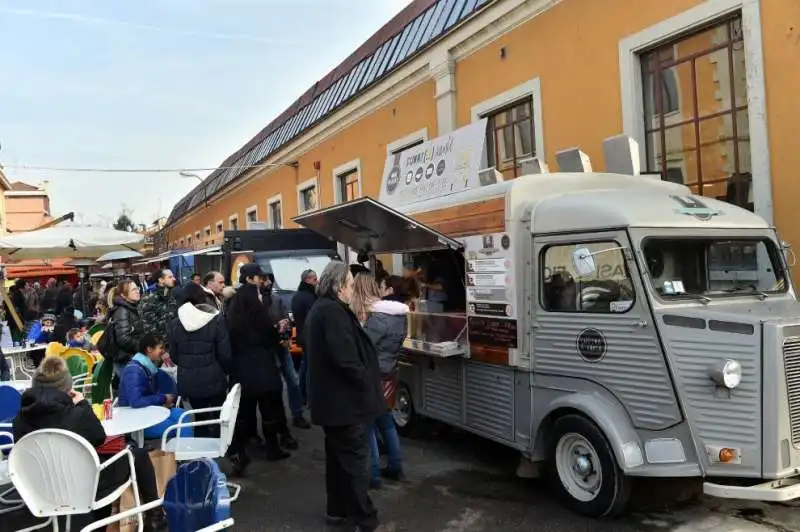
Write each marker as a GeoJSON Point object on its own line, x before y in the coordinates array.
{"type": "Point", "coordinates": [459, 483]}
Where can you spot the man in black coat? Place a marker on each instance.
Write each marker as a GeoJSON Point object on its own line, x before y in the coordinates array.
{"type": "Point", "coordinates": [302, 301]}
{"type": "Point", "coordinates": [345, 397]}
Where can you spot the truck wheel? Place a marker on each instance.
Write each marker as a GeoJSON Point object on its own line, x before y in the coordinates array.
{"type": "Point", "coordinates": [405, 418]}
{"type": "Point", "coordinates": [583, 469]}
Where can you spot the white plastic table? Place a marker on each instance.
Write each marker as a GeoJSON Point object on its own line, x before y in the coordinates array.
{"type": "Point", "coordinates": [133, 421]}
{"type": "Point", "coordinates": [18, 359]}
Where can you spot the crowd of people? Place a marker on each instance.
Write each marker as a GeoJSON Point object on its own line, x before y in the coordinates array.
{"type": "Point", "coordinates": [350, 328]}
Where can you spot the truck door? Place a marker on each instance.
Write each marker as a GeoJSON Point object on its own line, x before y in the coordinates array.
{"type": "Point", "coordinates": [594, 328]}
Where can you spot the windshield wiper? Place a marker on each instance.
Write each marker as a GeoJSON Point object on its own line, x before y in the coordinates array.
{"type": "Point", "coordinates": [751, 290]}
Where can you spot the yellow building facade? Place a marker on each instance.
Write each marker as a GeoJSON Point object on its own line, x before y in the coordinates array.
{"type": "Point", "coordinates": [707, 88]}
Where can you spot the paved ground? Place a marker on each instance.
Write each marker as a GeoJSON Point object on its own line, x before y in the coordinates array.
{"type": "Point", "coordinates": [458, 483]}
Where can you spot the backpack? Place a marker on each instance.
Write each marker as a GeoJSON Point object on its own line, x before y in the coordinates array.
{"type": "Point", "coordinates": [107, 345]}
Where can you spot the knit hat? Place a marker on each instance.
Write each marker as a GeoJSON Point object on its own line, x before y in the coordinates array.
{"type": "Point", "coordinates": [53, 373]}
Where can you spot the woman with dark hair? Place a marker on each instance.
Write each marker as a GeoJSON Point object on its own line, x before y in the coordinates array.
{"type": "Point", "coordinates": [200, 347]}
{"type": "Point", "coordinates": [256, 366]}
{"type": "Point", "coordinates": [125, 324]}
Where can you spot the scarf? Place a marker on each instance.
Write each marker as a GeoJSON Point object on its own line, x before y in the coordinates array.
{"type": "Point", "coordinates": [148, 364]}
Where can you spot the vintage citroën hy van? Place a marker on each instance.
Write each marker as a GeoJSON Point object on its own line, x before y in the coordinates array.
{"type": "Point", "coordinates": [607, 326]}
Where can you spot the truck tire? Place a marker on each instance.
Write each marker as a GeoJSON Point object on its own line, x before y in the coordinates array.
{"type": "Point", "coordinates": [583, 469]}
{"type": "Point", "coordinates": [405, 417]}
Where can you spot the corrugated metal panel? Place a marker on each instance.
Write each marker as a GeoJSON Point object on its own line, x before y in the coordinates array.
{"type": "Point", "coordinates": [791, 362]}
{"type": "Point", "coordinates": [442, 390]}
{"type": "Point", "coordinates": [633, 369]}
{"type": "Point", "coordinates": [411, 31]}
{"type": "Point", "coordinates": [489, 399]}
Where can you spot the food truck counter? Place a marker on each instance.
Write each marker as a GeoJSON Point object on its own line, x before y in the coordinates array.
{"type": "Point", "coordinates": [438, 335]}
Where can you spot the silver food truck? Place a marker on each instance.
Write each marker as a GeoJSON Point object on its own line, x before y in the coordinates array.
{"type": "Point", "coordinates": [607, 326]}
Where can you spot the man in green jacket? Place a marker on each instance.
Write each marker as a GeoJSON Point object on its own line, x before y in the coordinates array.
{"type": "Point", "coordinates": [159, 308]}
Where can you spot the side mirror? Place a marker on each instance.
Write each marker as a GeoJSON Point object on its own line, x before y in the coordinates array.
{"type": "Point", "coordinates": [583, 262]}
{"type": "Point", "coordinates": [788, 253]}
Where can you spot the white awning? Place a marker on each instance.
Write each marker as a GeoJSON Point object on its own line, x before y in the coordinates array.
{"type": "Point", "coordinates": [157, 258]}
{"type": "Point", "coordinates": [205, 251]}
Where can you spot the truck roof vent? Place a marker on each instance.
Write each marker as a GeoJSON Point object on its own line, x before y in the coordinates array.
{"type": "Point", "coordinates": [573, 160]}
{"type": "Point", "coordinates": [622, 155]}
{"type": "Point", "coordinates": [534, 165]}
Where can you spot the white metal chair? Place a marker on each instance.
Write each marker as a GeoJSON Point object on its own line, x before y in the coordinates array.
{"type": "Point", "coordinates": [56, 472]}
{"type": "Point", "coordinates": [191, 448]}
{"type": "Point", "coordinates": [8, 504]}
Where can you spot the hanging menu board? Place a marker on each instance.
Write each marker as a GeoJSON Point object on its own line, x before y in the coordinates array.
{"type": "Point", "coordinates": [490, 275]}
{"type": "Point", "coordinates": [491, 292]}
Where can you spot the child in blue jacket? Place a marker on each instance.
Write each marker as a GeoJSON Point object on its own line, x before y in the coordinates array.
{"type": "Point", "coordinates": [139, 385]}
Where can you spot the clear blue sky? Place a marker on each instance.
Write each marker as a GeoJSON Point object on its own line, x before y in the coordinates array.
{"type": "Point", "coordinates": [156, 84]}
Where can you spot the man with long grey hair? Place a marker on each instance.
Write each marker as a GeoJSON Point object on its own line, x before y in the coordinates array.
{"type": "Point", "coordinates": [344, 396]}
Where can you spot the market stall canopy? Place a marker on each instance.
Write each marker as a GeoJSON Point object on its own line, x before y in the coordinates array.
{"type": "Point", "coordinates": [367, 225]}
{"type": "Point", "coordinates": [68, 241]}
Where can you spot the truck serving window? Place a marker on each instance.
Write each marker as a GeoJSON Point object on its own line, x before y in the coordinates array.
{"type": "Point", "coordinates": [608, 290]}
{"type": "Point", "coordinates": [681, 268]}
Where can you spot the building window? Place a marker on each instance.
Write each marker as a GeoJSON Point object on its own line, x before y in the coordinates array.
{"type": "Point", "coordinates": [188, 240]}
{"type": "Point", "coordinates": [233, 223]}
{"type": "Point", "coordinates": [405, 147]}
{"type": "Point", "coordinates": [252, 215]}
{"type": "Point", "coordinates": [220, 227]}
{"type": "Point", "coordinates": [208, 231]}
{"type": "Point", "coordinates": [307, 196]}
{"type": "Point", "coordinates": [275, 214]}
{"type": "Point", "coordinates": [695, 112]}
{"type": "Point", "coordinates": [347, 185]}
{"type": "Point", "coordinates": [510, 137]}
{"type": "Point", "coordinates": [608, 290]}
{"type": "Point", "coordinates": [197, 236]}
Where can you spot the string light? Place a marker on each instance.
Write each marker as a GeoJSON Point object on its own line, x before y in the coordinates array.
{"type": "Point", "coordinates": [140, 170]}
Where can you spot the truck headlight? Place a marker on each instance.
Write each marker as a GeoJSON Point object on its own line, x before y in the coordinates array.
{"type": "Point", "coordinates": [727, 374]}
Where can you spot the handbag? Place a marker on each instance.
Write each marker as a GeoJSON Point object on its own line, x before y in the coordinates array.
{"type": "Point", "coordinates": [389, 386]}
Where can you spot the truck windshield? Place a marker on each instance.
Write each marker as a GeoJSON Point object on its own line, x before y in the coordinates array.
{"type": "Point", "coordinates": [287, 270]}
{"type": "Point", "coordinates": [714, 267]}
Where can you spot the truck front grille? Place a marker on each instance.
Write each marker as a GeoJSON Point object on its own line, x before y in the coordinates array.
{"type": "Point", "coordinates": [791, 364]}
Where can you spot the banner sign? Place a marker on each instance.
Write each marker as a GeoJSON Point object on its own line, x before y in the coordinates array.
{"type": "Point", "coordinates": [442, 166]}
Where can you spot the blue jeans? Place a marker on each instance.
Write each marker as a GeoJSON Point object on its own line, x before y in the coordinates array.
{"type": "Point", "coordinates": [385, 424]}
{"type": "Point", "coordinates": [5, 369]}
{"type": "Point", "coordinates": [292, 384]}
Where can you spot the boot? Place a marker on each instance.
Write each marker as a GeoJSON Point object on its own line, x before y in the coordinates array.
{"type": "Point", "coordinates": [239, 464]}
{"type": "Point", "coordinates": [272, 444]}
{"type": "Point", "coordinates": [287, 441]}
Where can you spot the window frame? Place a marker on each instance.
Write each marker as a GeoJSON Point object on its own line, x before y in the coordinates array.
{"type": "Point", "coordinates": [409, 141]}
{"type": "Point", "coordinates": [343, 170]}
{"type": "Point", "coordinates": [662, 123]}
{"type": "Point", "coordinates": [491, 137]}
{"type": "Point", "coordinates": [531, 88]}
{"type": "Point", "coordinates": [612, 239]}
{"type": "Point", "coordinates": [219, 227]}
{"type": "Point", "coordinates": [272, 200]}
{"type": "Point", "coordinates": [252, 209]}
{"type": "Point", "coordinates": [302, 187]}
{"type": "Point", "coordinates": [233, 218]}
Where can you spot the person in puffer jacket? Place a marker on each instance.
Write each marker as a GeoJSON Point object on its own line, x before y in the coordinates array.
{"type": "Point", "coordinates": [385, 322]}
{"type": "Point", "coordinates": [200, 347]}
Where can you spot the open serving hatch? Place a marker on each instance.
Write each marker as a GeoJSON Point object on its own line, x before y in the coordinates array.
{"type": "Point", "coordinates": [370, 226]}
